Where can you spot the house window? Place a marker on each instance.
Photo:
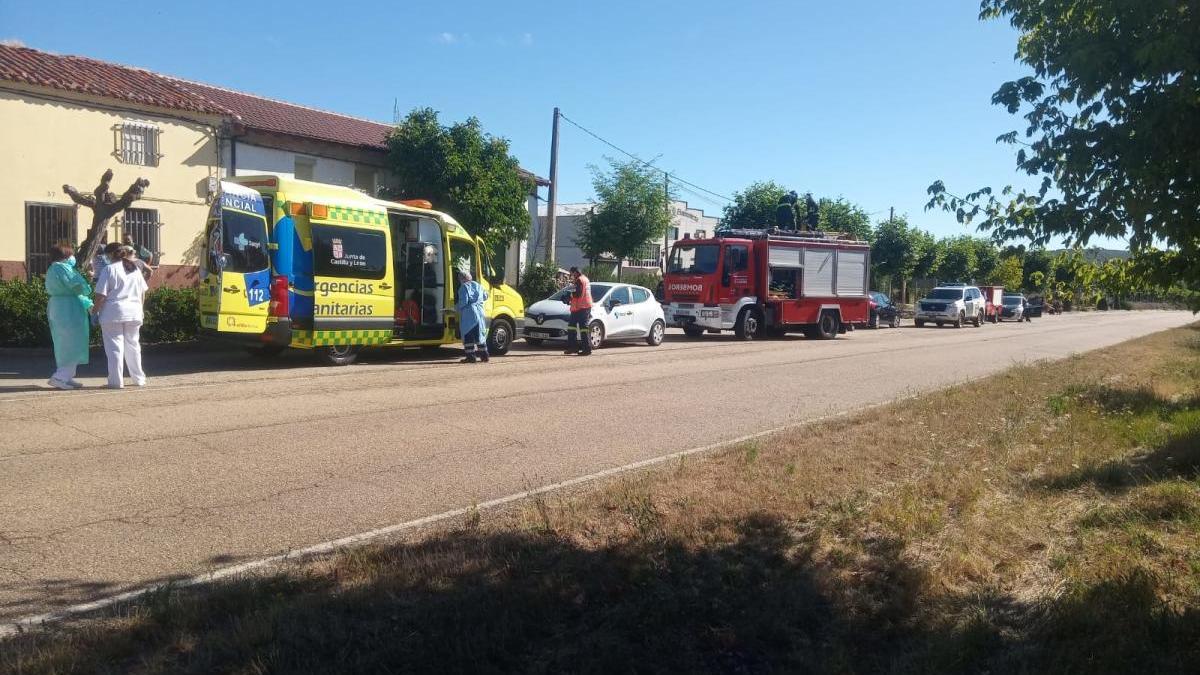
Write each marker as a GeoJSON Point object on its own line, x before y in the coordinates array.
{"type": "Point", "coordinates": [46, 225]}
{"type": "Point", "coordinates": [142, 226]}
{"type": "Point", "coordinates": [674, 234]}
{"type": "Point", "coordinates": [364, 179]}
{"type": "Point", "coordinates": [305, 167]}
{"type": "Point", "coordinates": [139, 143]}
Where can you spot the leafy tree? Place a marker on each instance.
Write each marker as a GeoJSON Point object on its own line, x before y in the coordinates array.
{"type": "Point", "coordinates": [1038, 261]}
{"type": "Point", "coordinates": [930, 258]}
{"type": "Point", "coordinates": [632, 211]}
{"type": "Point", "coordinates": [840, 215]}
{"type": "Point", "coordinates": [987, 257]}
{"type": "Point", "coordinates": [895, 251]}
{"type": "Point", "coordinates": [959, 262]}
{"type": "Point", "coordinates": [463, 171]}
{"type": "Point", "coordinates": [1111, 111]}
{"type": "Point", "coordinates": [1008, 273]}
{"type": "Point", "coordinates": [754, 207]}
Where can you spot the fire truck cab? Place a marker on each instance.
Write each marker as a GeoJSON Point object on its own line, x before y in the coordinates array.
{"type": "Point", "coordinates": [760, 282]}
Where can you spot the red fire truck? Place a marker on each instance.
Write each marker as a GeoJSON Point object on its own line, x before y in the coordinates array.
{"type": "Point", "coordinates": [758, 282]}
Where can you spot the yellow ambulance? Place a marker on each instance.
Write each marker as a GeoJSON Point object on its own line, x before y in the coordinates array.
{"type": "Point", "coordinates": [292, 263]}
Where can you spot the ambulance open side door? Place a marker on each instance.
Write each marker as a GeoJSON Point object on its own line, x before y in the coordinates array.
{"type": "Point", "coordinates": [235, 266]}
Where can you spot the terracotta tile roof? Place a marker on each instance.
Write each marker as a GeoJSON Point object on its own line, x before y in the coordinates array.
{"type": "Point", "coordinates": [257, 112]}
{"type": "Point", "coordinates": [88, 76]}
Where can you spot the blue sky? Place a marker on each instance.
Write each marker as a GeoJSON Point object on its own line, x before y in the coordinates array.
{"type": "Point", "coordinates": [872, 101]}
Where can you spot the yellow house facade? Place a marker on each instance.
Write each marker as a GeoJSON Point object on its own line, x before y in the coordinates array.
{"type": "Point", "coordinates": [51, 139]}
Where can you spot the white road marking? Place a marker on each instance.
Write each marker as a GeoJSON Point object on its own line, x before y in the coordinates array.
{"type": "Point", "coordinates": [36, 621]}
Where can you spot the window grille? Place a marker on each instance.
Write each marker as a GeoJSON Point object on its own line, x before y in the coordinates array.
{"type": "Point", "coordinates": [143, 226]}
{"type": "Point", "coordinates": [139, 143]}
{"type": "Point", "coordinates": [45, 226]}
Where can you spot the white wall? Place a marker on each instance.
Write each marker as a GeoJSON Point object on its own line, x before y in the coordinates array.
{"type": "Point", "coordinates": [255, 159]}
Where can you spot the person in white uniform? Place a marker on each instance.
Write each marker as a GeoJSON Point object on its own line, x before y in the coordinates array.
{"type": "Point", "coordinates": [120, 294]}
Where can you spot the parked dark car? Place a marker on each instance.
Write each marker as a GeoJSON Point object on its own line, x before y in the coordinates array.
{"type": "Point", "coordinates": [1034, 309]}
{"type": "Point", "coordinates": [883, 311]}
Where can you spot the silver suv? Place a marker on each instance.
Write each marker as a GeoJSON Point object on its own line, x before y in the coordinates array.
{"type": "Point", "coordinates": [951, 304]}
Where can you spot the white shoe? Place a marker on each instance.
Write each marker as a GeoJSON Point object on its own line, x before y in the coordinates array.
{"type": "Point", "coordinates": [115, 386]}
{"type": "Point", "coordinates": [140, 384]}
{"type": "Point", "coordinates": [59, 384]}
{"type": "Point", "coordinates": [75, 384]}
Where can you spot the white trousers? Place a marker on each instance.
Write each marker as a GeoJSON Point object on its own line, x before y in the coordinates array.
{"type": "Point", "coordinates": [65, 373]}
{"type": "Point", "coordinates": [122, 342]}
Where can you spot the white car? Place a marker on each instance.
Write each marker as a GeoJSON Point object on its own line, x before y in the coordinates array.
{"type": "Point", "coordinates": [619, 312]}
{"type": "Point", "coordinates": [951, 304]}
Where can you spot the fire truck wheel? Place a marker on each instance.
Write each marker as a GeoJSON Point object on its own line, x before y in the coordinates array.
{"type": "Point", "coordinates": [692, 331]}
{"type": "Point", "coordinates": [340, 355]}
{"type": "Point", "coordinates": [827, 326]}
{"type": "Point", "coordinates": [596, 334]}
{"type": "Point", "coordinates": [657, 331]}
{"type": "Point", "coordinates": [748, 324]}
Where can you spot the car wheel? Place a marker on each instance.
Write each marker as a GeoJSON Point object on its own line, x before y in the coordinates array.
{"type": "Point", "coordinates": [692, 331]}
{"type": "Point", "coordinates": [978, 320]}
{"type": "Point", "coordinates": [895, 320]}
{"type": "Point", "coordinates": [748, 324]}
{"type": "Point", "coordinates": [265, 351]}
{"type": "Point", "coordinates": [596, 334]}
{"type": "Point", "coordinates": [918, 323]}
{"type": "Point", "coordinates": [962, 318]}
{"type": "Point", "coordinates": [338, 355]}
{"type": "Point", "coordinates": [500, 337]}
{"type": "Point", "coordinates": [827, 326]}
{"type": "Point", "coordinates": [534, 342]}
{"type": "Point", "coordinates": [657, 331]}
{"type": "Point", "coordinates": [873, 322]}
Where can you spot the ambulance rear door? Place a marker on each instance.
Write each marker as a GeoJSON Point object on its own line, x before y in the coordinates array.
{"type": "Point", "coordinates": [235, 274]}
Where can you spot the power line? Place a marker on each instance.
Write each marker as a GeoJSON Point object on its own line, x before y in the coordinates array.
{"type": "Point", "coordinates": [621, 150]}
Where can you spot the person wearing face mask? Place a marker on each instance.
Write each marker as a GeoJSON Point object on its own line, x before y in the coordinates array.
{"type": "Point", "coordinates": [120, 294]}
{"type": "Point", "coordinates": [67, 312]}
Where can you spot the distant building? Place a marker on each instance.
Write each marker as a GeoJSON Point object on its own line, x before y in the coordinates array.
{"type": "Point", "coordinates": [66, 119]}
{"type": "Point", "coordinates": [686, 222]}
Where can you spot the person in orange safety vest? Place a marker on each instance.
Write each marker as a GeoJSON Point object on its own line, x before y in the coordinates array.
{"type": "Point", "coordinates": [580, 300]}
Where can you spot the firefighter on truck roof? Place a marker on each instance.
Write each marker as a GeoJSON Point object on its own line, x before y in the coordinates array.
{"type": "Point", "coordinates": [580, 300]}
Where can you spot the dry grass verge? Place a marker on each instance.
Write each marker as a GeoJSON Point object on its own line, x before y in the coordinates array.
{"type": "Point", "coordinates": [1047, 518]}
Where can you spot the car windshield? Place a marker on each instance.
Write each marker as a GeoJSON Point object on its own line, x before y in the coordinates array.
{"type": "Point", "coordinates": [701, 259]}
{"type": "Point", "coordinates": [945, 294]}
{"type": "Point", "coordinates": [1012, 299]}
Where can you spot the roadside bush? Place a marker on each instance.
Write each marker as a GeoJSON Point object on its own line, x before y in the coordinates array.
{"type": "Point", "coordinates": [537, 283]}
{"type": "Point", "coordinates": [171, 315]}
{"type": "Point", "coordinates": [23, 313]}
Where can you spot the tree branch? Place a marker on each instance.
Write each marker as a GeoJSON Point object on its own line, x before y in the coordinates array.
{"type": "Point", "coordinates": [80, 199]}
{"type": "Point", "coordinates": [132, 194]}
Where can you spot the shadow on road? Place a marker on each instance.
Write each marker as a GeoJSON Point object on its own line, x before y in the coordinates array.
{"type": "Point", "coordinates": [536, 602]}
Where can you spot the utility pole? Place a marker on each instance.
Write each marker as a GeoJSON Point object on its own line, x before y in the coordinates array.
{"type": "Point", "coordinates": [891, 214]}
{"type": "Point", "coordinates": [667, 232]}
{"type": "Point", "coordinates": [551, 223]}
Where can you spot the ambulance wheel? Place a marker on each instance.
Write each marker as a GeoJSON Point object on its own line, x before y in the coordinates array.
{"type": "Point", "coordinates": [265, 351]}
{"type": "Point", "coordinates": [692, 331]}
{"type": "Point", "coordinates": [748, 324]}
{"type": "Point", "coordinates": [500, 337]}
{"type": "Point", "coordinates": [828, 326]}
{"type": "Point", "coordinates": [341, 355]}
{"type": "Point", "coordinates": [657, 331]}
{"type": "Point", "coordinates": [596, 334]}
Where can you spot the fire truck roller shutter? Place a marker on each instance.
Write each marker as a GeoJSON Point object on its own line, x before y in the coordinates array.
{"type": "Point", "coordinates": [818, 272]}
{"type": "Point", "coordinates": [785, 257]}
{"type": "Point", "coordinates": [851, 273]}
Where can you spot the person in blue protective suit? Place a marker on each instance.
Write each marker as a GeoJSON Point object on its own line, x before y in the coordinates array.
{"type": "Point", "coordinates": [67, 311]}
{"type": "Point", "coordinates": [469, 305]}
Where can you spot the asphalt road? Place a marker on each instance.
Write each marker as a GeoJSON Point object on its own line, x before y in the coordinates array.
{"type": "Point", "coordinates": [225, 459]}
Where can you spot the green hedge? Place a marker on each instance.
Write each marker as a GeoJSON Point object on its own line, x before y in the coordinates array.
{"type": "Point", "coordinates": [171, 315]}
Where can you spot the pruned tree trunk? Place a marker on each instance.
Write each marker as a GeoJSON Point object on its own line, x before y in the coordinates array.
{"type": "Point", "coordinates": [104, 205]}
